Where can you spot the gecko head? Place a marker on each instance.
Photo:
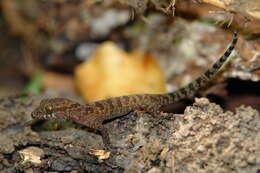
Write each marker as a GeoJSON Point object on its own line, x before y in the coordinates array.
{"type": "Point", "coordinates": [54, 108]}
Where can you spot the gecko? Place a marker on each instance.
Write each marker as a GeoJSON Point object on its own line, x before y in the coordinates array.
{"type": "Point", "coordinates": [93, 114]}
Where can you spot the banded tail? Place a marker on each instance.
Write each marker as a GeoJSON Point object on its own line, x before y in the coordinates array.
{"type": "Point", "coordinates": [205, 78]}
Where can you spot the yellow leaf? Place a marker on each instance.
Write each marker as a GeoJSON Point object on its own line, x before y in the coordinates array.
{"type": "Point", "coordinates": [112, 72]}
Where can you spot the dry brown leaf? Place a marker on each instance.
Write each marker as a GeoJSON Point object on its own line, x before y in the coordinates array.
{"type": "Point", "coordinates": [31, 154]}
{"type": "Point", "coordinates": [101, 154]}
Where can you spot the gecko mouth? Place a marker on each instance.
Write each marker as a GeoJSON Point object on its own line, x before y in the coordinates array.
{"type": "Point", "coordinates": [29, 123]}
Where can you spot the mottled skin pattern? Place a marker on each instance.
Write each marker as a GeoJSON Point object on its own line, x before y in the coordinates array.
{"type": "Point", "coordinates": [94, 113]}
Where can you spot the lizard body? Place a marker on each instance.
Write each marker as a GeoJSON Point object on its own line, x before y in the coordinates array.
{"type": "Point", "coordinates": [93, 114]}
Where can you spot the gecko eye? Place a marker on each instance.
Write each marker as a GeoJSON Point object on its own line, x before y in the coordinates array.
{"type": "Point", "coordinates": [49, 108]}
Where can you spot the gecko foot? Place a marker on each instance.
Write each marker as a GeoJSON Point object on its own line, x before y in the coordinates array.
{"type": "Point", "coordinates": [112, 149]}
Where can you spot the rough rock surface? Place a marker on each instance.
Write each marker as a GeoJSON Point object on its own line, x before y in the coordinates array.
{"type": "Point", "coordinates": [203, 139]}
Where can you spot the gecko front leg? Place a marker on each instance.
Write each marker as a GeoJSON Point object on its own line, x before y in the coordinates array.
{"type": "Point", "coordinates": [104, 134]}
